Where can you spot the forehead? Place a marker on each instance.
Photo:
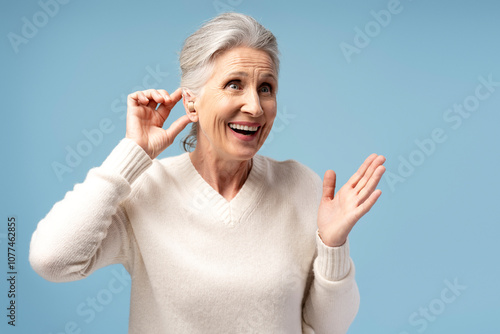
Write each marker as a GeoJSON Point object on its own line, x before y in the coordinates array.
{"type": "Point", "coordinates": [244, 59]}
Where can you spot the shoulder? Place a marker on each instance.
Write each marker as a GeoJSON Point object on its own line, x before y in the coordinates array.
{"type": "Point", "coordinates": [172, 164]}
{"type": "Point", "coordinates": [291, 174]}
{"type": "Point", "coordinates": [163, 173]}
{"type": "Point", "coordinates": [288, 168]}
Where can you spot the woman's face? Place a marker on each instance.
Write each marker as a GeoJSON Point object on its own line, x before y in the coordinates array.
{"type": "Point", "coordinates": [237, 107]}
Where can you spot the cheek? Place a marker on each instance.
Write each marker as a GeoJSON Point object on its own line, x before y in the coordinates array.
{"type": "Point", "coordinates": [271, 111]}
{"type": "Point", "coordinates": [221, 112]}
{"type": "Point", "coordinates": [214, 115]}
{"type": "Point", "coordinates": [268, 127]}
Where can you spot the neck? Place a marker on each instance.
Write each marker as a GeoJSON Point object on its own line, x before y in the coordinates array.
{"type": "Point", "coordinates": [225, 176]}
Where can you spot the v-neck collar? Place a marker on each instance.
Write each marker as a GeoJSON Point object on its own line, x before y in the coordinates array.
{"type": "Point", "coordinates": [207, 199]}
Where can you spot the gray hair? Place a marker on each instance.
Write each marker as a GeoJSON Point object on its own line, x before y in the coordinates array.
{"type": "Point", "coordinates": [223, 32]}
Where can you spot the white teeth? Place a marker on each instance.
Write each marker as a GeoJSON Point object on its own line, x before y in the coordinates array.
{"type": "Point", "coordinates": [243, 127]}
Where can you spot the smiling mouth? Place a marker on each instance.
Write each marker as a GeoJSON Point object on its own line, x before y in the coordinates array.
{"type": "Point", "coordinates": [243, 129]}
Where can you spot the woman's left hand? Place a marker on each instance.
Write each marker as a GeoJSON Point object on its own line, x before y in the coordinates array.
{"type": "Point", "coordinates": [338, 213]}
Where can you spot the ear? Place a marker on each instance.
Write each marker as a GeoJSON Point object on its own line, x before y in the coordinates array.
{"type": "Point", "coordinates": [188, 97]}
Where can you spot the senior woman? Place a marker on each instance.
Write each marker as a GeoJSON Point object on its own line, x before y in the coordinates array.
{"type": "Point", "coordinates": [219, 239]}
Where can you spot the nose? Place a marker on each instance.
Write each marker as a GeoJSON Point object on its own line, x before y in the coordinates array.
{"type": "Point", "coordinates": [251, 104]}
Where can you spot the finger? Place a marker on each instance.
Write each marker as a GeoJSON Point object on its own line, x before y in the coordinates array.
{"type": "Point", "coordinates": [176, 96]}
{"type": "Point", "coordinates": [156, 98]}
{"type": "Point", "coordinates": [170, 101]}
{"type": "Point", "coordinates": [362, 169]}
{"type": "Point", "coordinates": [153, 104]}
{"type": "Point", "coordinates": [329, 181]}
{"type": "Point", "coordinates": [160, 108]}
{"type": "Point", "coordinates": [372, 184]}
{"type": "Point", "coordinates": [369, 172]}
{"type": "Point", "coordinates": [138, 98]}
{"type": "Point", "coordinates": [176, 127]}
{"type": "Point", "coordinates": [368, 204]}
{"type": "Point", "coordinates": [163, 92]}
{"type": "Point", "coordinates": [153, 95]}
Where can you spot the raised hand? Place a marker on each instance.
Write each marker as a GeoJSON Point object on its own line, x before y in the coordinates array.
{"type": "Point", "coordinates": [145, 120]}
{"type": "Point", "coordinates": [338, 213]}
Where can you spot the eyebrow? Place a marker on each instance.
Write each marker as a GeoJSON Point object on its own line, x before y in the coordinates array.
{"type": "Point", "coordinates": [244, 74]}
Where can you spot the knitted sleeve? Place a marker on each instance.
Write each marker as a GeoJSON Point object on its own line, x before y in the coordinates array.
{"type": "Point", "coordinates": [88, 228]}
{"type": "Point", "coordinates": [332, 300]}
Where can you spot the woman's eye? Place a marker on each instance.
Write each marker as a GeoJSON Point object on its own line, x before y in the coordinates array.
{"type": "Point", "coordinates": [265, 89]}
{"type": "Point", "coordinates": [233, 85]}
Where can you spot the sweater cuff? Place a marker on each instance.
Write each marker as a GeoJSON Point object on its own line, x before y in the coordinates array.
{"type": "Point", "coordinates": [333, 263]}
{"type": "Point", "coordinates": [128, 160]}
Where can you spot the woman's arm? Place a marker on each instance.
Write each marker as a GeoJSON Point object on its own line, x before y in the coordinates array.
{"type": "Point", "coordinates": [87, 230]}
{"type": "Point", "coordinates": [333, 297]}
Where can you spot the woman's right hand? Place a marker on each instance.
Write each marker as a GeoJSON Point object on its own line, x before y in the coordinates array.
{"type": "Point", "coordinates": [145, 121]}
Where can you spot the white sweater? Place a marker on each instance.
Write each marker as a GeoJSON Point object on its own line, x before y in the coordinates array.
{"type": "Point", "coordinates": [198, 263]}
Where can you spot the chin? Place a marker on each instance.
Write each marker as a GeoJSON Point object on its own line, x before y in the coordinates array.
{"type": "Point", "coordinates": [243, 153]}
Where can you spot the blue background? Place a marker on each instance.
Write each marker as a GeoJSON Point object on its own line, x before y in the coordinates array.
{"type": "Point", "coordinates": [437, 220]}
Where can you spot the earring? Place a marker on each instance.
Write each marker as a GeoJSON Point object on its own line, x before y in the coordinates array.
{"type": "Point", "coordinates": [191, 106]}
